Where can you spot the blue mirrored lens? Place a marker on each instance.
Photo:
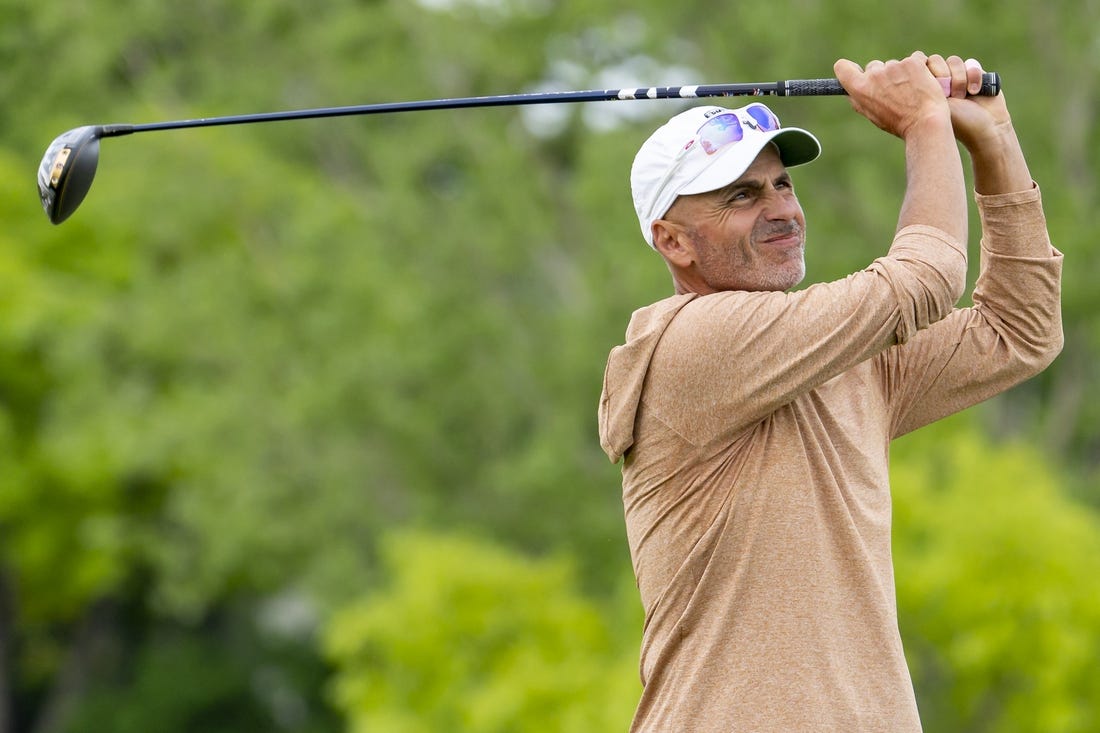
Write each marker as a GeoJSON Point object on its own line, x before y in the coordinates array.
{"type": "Point", "coordinates": [765, 118]}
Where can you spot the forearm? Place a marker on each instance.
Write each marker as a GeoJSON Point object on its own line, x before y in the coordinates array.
{"type": "Point", "coordinates": [1012, 333]}
{"type": "Point", "coordinates": [1019, 289]}
{"type": "Point", "coordinates": [935, 192]}
{"type": "Point", "coordinates": [1013, 224]}
{"type": "Point", "coordinates": [998, 162]}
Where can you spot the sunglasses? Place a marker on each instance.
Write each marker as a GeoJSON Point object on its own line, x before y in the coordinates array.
{"type": "Point", "coordinates": [716, 133]}
{"type": "Point", "coordinates": [727, 128]}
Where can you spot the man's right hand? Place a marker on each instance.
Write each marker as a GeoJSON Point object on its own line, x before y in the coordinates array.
{"type": "Point", "coordinates": [897, 95]}
{"type": "Point", "coordinates": [905, 99]}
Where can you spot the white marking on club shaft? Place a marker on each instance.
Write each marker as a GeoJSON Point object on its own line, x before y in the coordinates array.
{"type": "Point", "coordinates": [689, 92]}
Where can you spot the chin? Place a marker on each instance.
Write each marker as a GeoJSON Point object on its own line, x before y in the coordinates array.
{"type": "Point", "coordinates": [798, 278]}
{"type": "Point", "coordinates": [792, 278]}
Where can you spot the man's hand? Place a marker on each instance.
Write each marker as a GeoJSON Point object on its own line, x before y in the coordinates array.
{"type": "Point", "coordinates": [983, 126]}
{"type": "Point", "coordinates": [977, 121]}
{"type": "Point", "coordinates": [897, 96]}
{"type": "Point", "coordinates": [905, 99]}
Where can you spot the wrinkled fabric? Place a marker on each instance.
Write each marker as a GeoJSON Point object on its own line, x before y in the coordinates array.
{"type": "Point", "coordinates": [754, 432]}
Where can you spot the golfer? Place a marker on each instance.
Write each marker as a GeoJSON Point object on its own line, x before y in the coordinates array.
{"type": "Point", "coordinates": [754, 423]}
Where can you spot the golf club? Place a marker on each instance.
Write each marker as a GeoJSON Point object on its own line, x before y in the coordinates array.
{"type": "Point", "coordinates": [69, 165]}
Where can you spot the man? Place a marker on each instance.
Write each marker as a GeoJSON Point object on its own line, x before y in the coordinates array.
{"type": "Point", "coordinates": [754, 424]}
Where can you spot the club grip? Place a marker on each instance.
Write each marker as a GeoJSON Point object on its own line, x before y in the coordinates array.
{"type": "Point", "coordinates": [811, 87]}
{"type": "Point", "coordinates": [991, 86]}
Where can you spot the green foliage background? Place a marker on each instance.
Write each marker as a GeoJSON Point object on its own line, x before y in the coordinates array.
{"type": "Point", "coordinates": [297, 421]}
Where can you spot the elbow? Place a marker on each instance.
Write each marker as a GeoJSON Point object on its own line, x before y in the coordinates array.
{"type": "Point", "coordinates": [1051, 349]}
{"type": "Point", "coordinates": [956, 286]}
{"type": "Point", "coordinates": [1031, 329]}
{"type": "Point", "coordinates": [1051, 346]}
{"type": "Point", "coordinates": [1040, 353]}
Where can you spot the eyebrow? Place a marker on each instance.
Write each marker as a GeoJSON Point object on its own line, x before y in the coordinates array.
{"type": "Point", "coordinates": [754, 184]}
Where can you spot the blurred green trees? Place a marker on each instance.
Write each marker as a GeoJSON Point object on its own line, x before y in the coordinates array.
{"type": "Point", "coordinates": [996, 572]}
{"type": "Point", "coordinates": [256, 355]}
{"type": "Point", "coordinates": [468, 636]}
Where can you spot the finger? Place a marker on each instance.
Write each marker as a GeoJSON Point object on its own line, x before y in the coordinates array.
{"type": "Point", "coordinates": [958, 74]}
{"type": "Point", "coordinates": [938, 65]}
{"type": "Point", "coordinates": [974, 73]}
{"type": "Point", "coordinates": [847, 72]}
{"type": "Point", "coordinates": [919, 57]}
{"type": "Point", "coordinates": [941, 69]}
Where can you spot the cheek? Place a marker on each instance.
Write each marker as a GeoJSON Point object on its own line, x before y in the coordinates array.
{"type": "Point", "coordinates": [799, 216]}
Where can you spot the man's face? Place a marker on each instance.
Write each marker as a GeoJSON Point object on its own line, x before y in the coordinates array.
{"type": "Point", "coordinates": [749, 235]}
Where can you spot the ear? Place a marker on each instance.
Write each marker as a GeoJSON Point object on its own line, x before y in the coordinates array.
{"type": "Point", "coordinates": [673, 243]}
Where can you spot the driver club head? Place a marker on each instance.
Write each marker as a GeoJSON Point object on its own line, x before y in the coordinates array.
{"type": "Point", "coordinates": [67, 170]}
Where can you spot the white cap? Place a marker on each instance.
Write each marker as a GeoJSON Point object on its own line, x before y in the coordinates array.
{"type": "Point", "coordinates": [676, 159]}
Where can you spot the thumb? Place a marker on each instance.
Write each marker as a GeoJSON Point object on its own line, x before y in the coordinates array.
{"type": "Point", "coordinates": [846, 72]}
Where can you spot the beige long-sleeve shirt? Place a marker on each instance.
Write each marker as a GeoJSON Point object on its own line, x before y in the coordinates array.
{"type": "Point", "coordinates": [754, 430]}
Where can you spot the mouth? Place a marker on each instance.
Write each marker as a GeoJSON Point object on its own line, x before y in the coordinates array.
{"type": "Point", "coordinates": [784, 239]}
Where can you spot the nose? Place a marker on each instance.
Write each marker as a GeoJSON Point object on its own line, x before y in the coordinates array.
{"type": "Point", "coordinates": [781, 204]}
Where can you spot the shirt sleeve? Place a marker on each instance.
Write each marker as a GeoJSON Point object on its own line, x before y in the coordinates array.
{"type": "Point", "coordinates": [1013, 331]}
{"type": "Point", "coordinates": [729, 359]}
